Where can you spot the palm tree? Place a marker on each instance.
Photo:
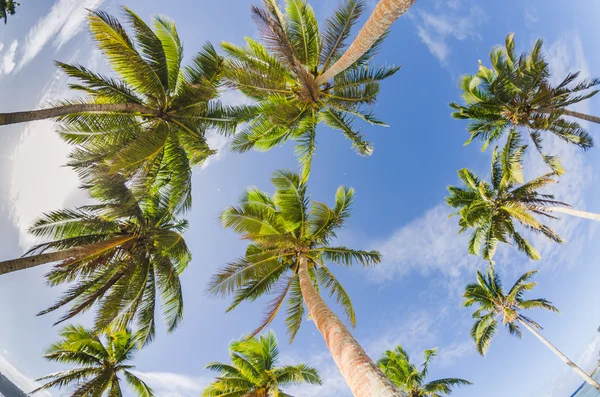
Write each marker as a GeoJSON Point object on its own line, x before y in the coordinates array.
{"type": "Point", "coordinates": [100, 360]}
{"type": "Point", "coordinates": [396, 365]}
{"type": "Point", "coordinates": [489, 209]}
{"type": "Point", "coordinates": [119, 253]}
{"type": "Point", "coordinates": [153, 115]}
{"type": "Point", "coordinates": [289, 244]}
{"type": "Point", "coordinates": [282, 76]}
{"type": "Point", "coordinates": [516, 94]}
{"type": "Point", "coordinates": [7, 7]}
{"type": "Point", "coordinates": [254, 372]}
{"type": "Point", "coordinates": [494, 303]}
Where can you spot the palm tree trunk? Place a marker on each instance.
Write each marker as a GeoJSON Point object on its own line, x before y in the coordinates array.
{"type": "Point", "coordinates": [51, 113]}
{"type": "Point", "coordinates": [570, 363]}
{"type": "Point", "coordinates": [384, 15]}
{"type": "Point", "coordinates": [27, 262]}
{"type": "Point", "coordinates": [572, 113]}
{"type": "Point", "coordinates": [363, 377]}
{"type": "Point", "coordinates": [574, 212]}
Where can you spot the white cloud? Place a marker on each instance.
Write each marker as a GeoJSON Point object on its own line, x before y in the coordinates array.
{"type": "Point", "coordinates": [8, 60]}
{"type": "Point", "coordinates": [40, 182]}
{"type": "Point", "coordinates": [567, 55]}
{"type": "Point", "coordinates": [531, 15]}
{"type": "Point", "coordinates": [218, 141]}
{"type": "Point", "coordinates": [167, 384]}
{"type": "Point", "coordinates": [20, 380]}
{"type": "Point", "coordinates": [333, 385]}
{"type": "Point", "coordinates": [63, 22]}
{"type": "Point", "coordinates": [437, 28]}
{"type": "Point", "coordinates": [449, 354]}
{"type": "Point", "coordinates": [429, 243]}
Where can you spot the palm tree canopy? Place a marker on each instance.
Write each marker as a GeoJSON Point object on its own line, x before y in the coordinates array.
{"type": "Point", "coordinates": [493, 303]}
{"type": "Point", "coordinates": [280, 76]}
{"type": "Point", "coordinates": [131, 249]}
{"type": "Point", "coordinates": [100, 359]}
{"type": "Point", "coordinates": [281, 228]}
{"type": "Point", "coordinates": [516, 94]}
{"type": "Point", "coordinates": [490, 209]}
{"type": "Point", "coordinates": [7, 7]}
{"type": "Point", "coordinates": [254, 371]}
{"type": "Point", "coordinates": [397, 366]}
{"type": "Point", "coordinates": [180, 103]}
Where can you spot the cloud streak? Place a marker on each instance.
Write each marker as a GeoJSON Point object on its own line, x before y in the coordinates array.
{"type": "Point", "coordinates": [437, 28]}
{"type": "Point", "coordinates": [20, 380]}
{"type": "Point", "coordinates": [62, 23]}
{"type": "Point", "coordinates": [168, 384]}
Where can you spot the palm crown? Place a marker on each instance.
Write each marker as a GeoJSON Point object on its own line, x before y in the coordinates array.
{"type": "Point", "coordinates": [130, 249]}
{"type": "Point", "coordinates": [516, 94]}
{"type": "Point", "coordinates": [281, 228]}
{"type": "Point", "coordinates": [280, 76]}
{"type": "Point", "coordinates": [396, 365]}
{"type": "Point", "coordinates": [175, 105]}
{"type": "Point", "coordinates": [489, 209]}
{"type": "Point", "coordinates": [254, 372]}
{"type": "Point", "coordinates": [100, 360]}
{"type": "Point", "coordinates": [493, 303]}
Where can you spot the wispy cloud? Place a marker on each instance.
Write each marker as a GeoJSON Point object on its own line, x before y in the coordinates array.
{"type": "Point", "coordinates": [446, 23]}
{"type": "Point", "coordinates": [430, 243]}
{"type": "Point", "coordinates": [8, 59]}
{"type": "Point", "coordinates": [20, 380]}
{"type": "Point", "coordinates": [46, 176]}
{"type": "Point", "coordinates": [168, 384]}
{"type": "Point", "coordinates": [531, 15]}
{"type": "Point", "coordinates": [217, 141]}
{"type": "Point", "coordinates": [62, 23]}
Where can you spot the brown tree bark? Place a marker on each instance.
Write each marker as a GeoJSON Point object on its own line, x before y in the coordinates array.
{"type": "Point", "coordinates": [362, 375]}
{"type": "Point", "coordinates": [385, 14]}
{"type": "Point", "coordinates": [51, 113]}
{"type": "Point", "coordinates": [572, 113]}
{"type": "Point", "coordinates": [27, 262]}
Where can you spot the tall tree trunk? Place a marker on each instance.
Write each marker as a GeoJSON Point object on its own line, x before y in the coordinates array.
{"type": "Point", "coordinates": [574, 212]}
{"type": "Point", "coordinates": [51, 113]}
{"type": "Point", "coordinates": [570, 363]}
{"type": "Point", "coordinates": [362, 375]}
{"type": "Point", "coordinates": [27, 262]}
{"type": "Point", "coordinates": [572, 113]}
{"type": "Point", "coordinates": [384, 15]}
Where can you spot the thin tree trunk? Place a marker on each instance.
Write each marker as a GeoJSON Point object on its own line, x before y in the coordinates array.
{"type": "Point", "coordinates": [564, 358]}
{"type": "Point", "coordinates": [384, 15]}
{"type": "Point", "coordinates": [574, 212]}
{"type": "Point", "coordinates": [572, 113]}
{"type": "Point", "coordinates": [364, 378]}
{"type": "Point", "coordinates": [51, 113]}
{"type": "Point", "coordinates": [28, 262]}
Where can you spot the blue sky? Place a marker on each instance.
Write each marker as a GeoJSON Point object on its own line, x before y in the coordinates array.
{"type": "Point", "coordinates": [413, 298]}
